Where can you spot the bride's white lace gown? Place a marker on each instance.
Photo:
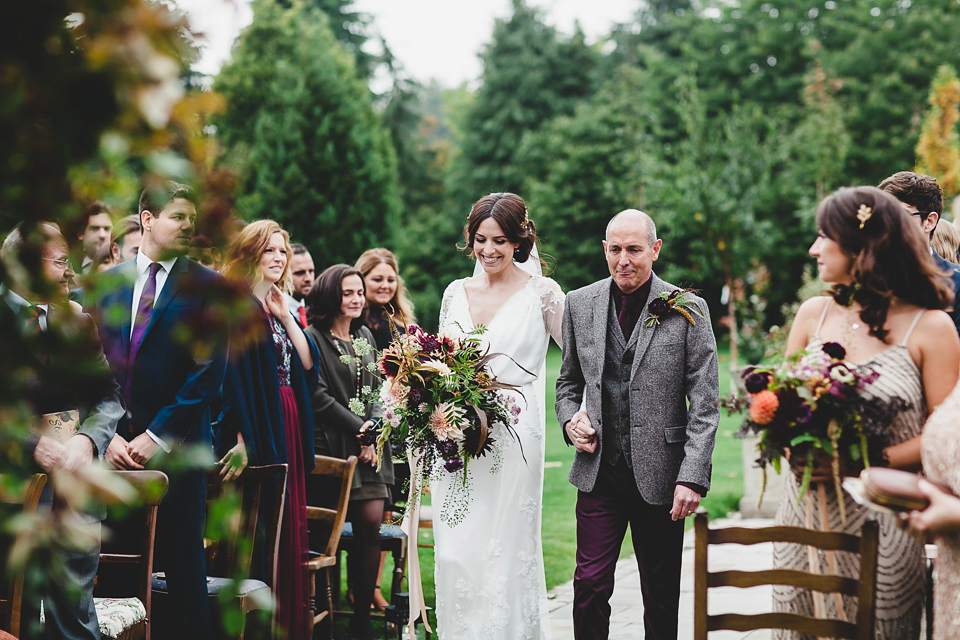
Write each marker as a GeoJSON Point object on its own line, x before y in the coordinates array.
{"type": "Point", "coordinates": [489, 565]}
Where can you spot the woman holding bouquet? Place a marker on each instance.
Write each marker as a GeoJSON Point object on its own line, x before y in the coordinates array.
{"type": "Point", "coordinates": [267, 415]}
{"type": "Point", "coordinates": [886, 310]}
{"type": "Point", "coordinates": [335, 312]}
{"type": "Point", "coordinates": [489, 562]}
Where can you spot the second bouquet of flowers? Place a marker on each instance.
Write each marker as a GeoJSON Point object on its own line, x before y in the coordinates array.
{"type": "Point", "coordinates": [815, 404]}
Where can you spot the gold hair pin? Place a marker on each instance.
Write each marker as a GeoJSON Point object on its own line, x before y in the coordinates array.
{"type": "Point", "coordinates": [526, 217]}
{"type": "Point", "coordinates": [863, 214]}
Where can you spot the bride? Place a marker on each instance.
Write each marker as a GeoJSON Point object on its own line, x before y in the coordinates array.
{"type": "Point", "coordinates": [488, 559]}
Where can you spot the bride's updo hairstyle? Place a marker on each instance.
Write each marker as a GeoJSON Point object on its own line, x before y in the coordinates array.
{"type": "Point", "coordinates": [510, 212]}
{"type": "Point", "coordinates": [890, 256]}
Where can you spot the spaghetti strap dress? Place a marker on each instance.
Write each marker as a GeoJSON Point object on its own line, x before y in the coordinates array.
{"type": "Point", "coordinates": [900, 560]}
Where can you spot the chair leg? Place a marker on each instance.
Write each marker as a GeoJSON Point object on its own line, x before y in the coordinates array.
{"type": "Point", "coordinates": [329, 599]}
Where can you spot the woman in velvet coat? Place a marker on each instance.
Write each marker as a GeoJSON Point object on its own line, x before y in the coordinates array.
{"type": "Point", "coordinates": [268, 418]}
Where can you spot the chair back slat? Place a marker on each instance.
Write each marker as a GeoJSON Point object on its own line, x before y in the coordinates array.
{"type": "Point", "coordinates": [794, 622]}
{"type": "Point", "coordinates": [866, 545]}
{"type": "Point", "coordinates": [826, 540]}
{"type": "Point", "coordinates": [786, 577]}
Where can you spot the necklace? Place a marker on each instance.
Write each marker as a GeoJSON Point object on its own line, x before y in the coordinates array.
{"type": "Point", "coordinates": [344, 354]}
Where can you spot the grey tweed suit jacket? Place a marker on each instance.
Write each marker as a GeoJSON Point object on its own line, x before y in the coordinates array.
{"type": "Point", "coordinates": [675, 363]}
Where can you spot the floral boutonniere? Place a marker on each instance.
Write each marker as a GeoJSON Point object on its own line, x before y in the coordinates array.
{"type": "Point", "coordinates": [679, 300]}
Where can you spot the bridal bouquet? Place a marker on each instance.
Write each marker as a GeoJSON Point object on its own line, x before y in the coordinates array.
{"type": "Point", "coordinates": [441, 401]}
{"type": "Point", "coordinates": [814, 403]}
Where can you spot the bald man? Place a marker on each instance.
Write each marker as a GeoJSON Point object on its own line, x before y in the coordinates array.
{"type": "Point", "coordinates": [643, 457]}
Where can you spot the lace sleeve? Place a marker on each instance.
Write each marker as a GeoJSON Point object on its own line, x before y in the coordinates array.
{"type": "Point", "coordinates": [551, 305]}
{"type": "Point", "coordinates": [445, 305]}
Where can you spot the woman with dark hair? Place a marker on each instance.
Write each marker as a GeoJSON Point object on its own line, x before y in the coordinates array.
{"type": "Point", "coordinates": [335, 312]}
{"type": "Point", "coordinates": [488, 557]}
{"type": "Point", "coordinates": [389, 309]}
{"type": "Point", "coordinates": [886, 309]}
{"type": "Point", "coordinates": [267, 418]}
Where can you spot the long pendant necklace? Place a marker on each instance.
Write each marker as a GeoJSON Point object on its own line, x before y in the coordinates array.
{"type": "Point", "coordinates": [343, 356]}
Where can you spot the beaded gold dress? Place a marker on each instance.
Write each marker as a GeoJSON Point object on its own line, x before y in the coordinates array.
{"type": "Point", "coordinates": [941, 463]}
{"type": "Point", "coordinates": [900, 562]}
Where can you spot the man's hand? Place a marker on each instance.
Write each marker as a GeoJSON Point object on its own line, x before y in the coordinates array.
{"type": "Point", "coordinates": [142, 448]}
{"type": "Point", "coordinates": [685, 502]}
{"type": "Point", "coordinates": [118, 455]}
{"type": "Point", "coordinates": [581, 433]}
{"type": "Point", "coordinates": [49, 454]}
{"type": "Point", "coordinates": [79, 452]}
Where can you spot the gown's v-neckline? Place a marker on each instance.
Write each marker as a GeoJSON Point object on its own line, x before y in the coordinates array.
{"type": "Point", "coordinates": [466, 298]}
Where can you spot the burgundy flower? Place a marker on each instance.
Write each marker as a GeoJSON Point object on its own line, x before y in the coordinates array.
{"type": "Point", "coordinates": [804, 414]}
{"type": "Point", "coordinates": [414, 397]}
{"type": "Point", "coordinates": [757, 382]}
{"type": "Point", "coordinates": [658, 307]}
{"type": "Point", "coordinates": [369, 437]}
{"type": "Point", "coordinates": [429, 343]}
{"type": "Point", "coordinates": [674, 294]}
{"type": "Point", "coordinates": [453, 464]}
{"type": "Point", "coordinates": [835, 350]}
{"type": "Point", "coordinates": [448, 448]}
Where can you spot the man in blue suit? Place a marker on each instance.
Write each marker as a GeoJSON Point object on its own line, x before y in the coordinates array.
{"type": "Point", "coordinates": [168, 382]}
{"type": "Point", "coordinates": [922, 197]}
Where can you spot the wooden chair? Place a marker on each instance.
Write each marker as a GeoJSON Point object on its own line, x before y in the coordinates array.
{"type": "Point", "coordinates": [124, 598]}
{"type": "Point", "coordinates": [24, 500]}
{"type": "Point", "coordinates": [864, 588]}
{"type": "Point", "coordinates": [260, 492]}
{"type": "Point", "coordinates": [328, 496]}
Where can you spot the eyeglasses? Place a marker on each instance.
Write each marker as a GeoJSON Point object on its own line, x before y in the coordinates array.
{"type": "Point", "coordinates": [63, 264]}
{"type": "Point", "coordinates": [922, 214]}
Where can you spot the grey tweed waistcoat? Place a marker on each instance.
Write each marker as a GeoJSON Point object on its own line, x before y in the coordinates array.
{"type": "Point", "coordinates": [615, 390]}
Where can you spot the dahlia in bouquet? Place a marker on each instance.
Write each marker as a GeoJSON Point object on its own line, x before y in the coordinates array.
{"type": "Point", "coordinates": [815, 404]}
{"type": "Point", "coordinates": [441, 403]}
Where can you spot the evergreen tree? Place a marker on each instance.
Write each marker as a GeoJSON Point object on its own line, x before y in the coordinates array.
{"type": "Point", "coordinates": [530, 75]}
{"type": "Point", "coordinates": [312, 152]}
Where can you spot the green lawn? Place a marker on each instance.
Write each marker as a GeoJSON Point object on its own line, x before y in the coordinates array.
{"type": "Point", "coordinates": [559, 496]}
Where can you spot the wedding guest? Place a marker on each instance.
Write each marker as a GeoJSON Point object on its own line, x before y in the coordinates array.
{"type": "Point", "coordinates": [941, 453]}
{"type": "Point", "coordinates": [301, 269]}
{"type": "Point", "coordinates": [127, 236]}
{"type": "Point", "coordinates": [74, 378]}
{"type": "Point", "coordinates": [886, 309]}
{"type": "Point", "coordinates": [267, 414]}
{"type": "Point", "coordinates": [389, 309]}
{"type": "Point", "coordinates": [168, 385]}
{"type": "Point", "coordinates": [203, 251]}
{"type": "Point", "coordinates": [96, 231]}
{"type": "Point", "coordinates": [946, 240]}
{"type": "Point", "coordinates": [921, 196]}
{"type": "Point", "coordinates": [102, 259]}
{"type": "Point", "coordinates": [335, 311]}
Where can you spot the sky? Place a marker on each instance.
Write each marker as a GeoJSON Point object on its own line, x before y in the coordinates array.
{"type": "Point", "coordinates": [433, 39]}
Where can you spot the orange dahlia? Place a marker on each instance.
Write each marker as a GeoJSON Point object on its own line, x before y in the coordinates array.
{"type": "Point", "coordinates": [763, 407]}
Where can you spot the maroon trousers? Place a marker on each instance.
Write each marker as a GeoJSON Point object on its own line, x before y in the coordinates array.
{"type": "Point", "coordinates": [602, 518]}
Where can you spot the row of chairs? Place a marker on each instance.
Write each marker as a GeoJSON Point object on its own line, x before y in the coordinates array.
{"type": "Point", "coordinates": [128, 590]}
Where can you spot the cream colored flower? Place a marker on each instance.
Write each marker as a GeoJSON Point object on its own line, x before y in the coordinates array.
{"type": "Point", "coordinates": [437, 367]}
{"type": "Point", "coordinates": [445, 422]}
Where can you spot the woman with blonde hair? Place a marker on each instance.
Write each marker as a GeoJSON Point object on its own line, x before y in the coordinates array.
{"type": "Point", "coordinates": [268, 416]}
{"type": "Point", "coordinates": [946, 240]}
{"type": "Point", "coordinates": [389, 309]}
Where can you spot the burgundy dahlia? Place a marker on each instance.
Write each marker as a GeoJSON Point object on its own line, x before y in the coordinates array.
{"type": "Point", "coordinates": [835, 350]}
{"type": "Point", "coordinates": [453, 464]}
{"type": "Point", "coordinates": [659, 306]}
{"type": "Point", "coordinates": [757, 382]}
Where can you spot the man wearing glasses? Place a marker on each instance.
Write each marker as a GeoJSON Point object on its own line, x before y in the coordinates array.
{"type": "Point", "coordinates": [922, 198]}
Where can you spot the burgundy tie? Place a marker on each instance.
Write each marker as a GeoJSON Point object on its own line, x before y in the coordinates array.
{"type": "Point", "coordinates": [302, 312]}
{"type": "Point", "coordinates": [624, 317]}
{"type": "Point", "coordinates": [144, 309]}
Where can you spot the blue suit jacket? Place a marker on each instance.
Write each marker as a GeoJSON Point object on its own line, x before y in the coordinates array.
{"type": "Point", "coordinates": [954, 271]}
{"type": "Point", "coordinates": [173, 380]}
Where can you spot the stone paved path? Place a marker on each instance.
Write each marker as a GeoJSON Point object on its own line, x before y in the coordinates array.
{"type": "Point", "coordinates": [626, 621]}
